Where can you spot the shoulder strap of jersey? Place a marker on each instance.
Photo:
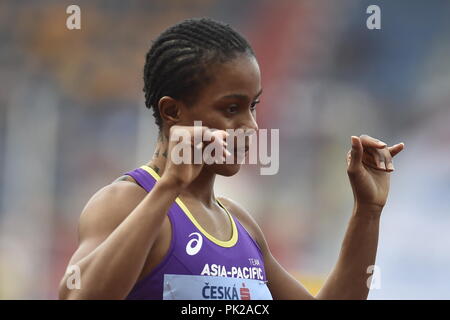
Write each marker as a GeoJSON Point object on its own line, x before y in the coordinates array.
{"type": "Point", "coordinates": [143, 178]}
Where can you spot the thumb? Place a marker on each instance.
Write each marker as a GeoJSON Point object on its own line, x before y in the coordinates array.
{"type": "Point", "coordinates": [356, 153]}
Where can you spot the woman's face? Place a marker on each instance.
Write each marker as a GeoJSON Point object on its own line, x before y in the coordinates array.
{"type": "Point", "coordinates": [228, 102]}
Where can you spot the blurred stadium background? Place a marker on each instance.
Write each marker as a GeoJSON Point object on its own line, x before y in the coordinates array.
{"type": "Point", "coordinates": [72, 119]}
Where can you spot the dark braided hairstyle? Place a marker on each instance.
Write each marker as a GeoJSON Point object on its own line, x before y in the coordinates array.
{"type": "Point", "coordinates": [177, 62]}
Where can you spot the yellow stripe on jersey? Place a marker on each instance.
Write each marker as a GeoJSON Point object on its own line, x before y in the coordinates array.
{"type": "Point", "coordinates": [234, 234]}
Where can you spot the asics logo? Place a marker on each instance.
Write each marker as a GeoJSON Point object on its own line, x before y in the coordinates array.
{"type": "Point", "coordinates": [195, 244]}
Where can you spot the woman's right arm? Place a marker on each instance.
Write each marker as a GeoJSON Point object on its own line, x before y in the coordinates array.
{"type": "Point", "coordinates": [120, 224]}
{"type": "Point", "coordinates": [117, 229]}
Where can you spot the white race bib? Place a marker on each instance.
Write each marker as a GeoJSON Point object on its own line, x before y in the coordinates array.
{"type": "Point", "coordinates": [188, 287]}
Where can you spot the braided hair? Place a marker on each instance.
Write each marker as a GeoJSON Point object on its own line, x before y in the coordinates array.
{"type": "Point", "coordinates": [177, 62]}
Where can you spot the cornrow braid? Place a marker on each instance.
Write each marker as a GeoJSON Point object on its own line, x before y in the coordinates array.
{"type": "Point", "coordinates": [176, 64]}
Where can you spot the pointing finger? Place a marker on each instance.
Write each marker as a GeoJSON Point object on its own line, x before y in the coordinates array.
{"type": "Point", "coordinates": [395, 149]}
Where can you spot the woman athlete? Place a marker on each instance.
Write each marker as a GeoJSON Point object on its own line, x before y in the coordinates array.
{"type": "Point", "coordinates": [159, 232]}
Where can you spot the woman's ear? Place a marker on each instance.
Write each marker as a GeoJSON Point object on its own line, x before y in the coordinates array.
{"type": "Point", "coordinates": [170, 110]}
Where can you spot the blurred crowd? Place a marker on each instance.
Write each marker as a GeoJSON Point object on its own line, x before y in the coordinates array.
{"type": "Point", "coordinates": [72, 119]}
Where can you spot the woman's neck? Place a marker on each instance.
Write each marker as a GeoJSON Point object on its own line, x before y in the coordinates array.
{"type": "Point", "coordinates": [202, 188]}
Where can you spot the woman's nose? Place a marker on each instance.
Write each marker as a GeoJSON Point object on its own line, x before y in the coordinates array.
{"type": "Point", "coordinates": [249, 124]}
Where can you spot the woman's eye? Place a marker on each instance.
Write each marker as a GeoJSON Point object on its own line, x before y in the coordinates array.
{"type": "Point", "coordinates": [232, 109]}
{"type": "Point", "coordinates": [253, 105]}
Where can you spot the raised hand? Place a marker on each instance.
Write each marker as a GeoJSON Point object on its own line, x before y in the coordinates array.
{"type": "Point", "coordinates": [369, 164]}
{"type": "Point", "coordinates": [182, 173]}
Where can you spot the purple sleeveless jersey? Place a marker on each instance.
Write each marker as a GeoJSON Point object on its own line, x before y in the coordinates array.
{"type": "Point", "coordinates": [199, 266]}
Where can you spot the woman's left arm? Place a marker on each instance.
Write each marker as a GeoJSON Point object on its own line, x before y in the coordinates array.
{"type": "Point", "coordinates": [369, 164]}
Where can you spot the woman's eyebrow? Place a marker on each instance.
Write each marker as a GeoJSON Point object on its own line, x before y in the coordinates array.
{"type": "Point", "coordinates": [240, 95]}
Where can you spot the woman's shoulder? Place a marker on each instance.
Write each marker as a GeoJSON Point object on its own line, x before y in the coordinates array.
{"type": "Point", "coordinates": [111, 204]}
{"type": "Point", "coordinates": [123, 190]}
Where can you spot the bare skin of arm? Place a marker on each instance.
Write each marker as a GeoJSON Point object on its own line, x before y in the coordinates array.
{"type": "Point", "coordinates": [369, 165]}
{"type": "Point", "coordinates": [117, 230]}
